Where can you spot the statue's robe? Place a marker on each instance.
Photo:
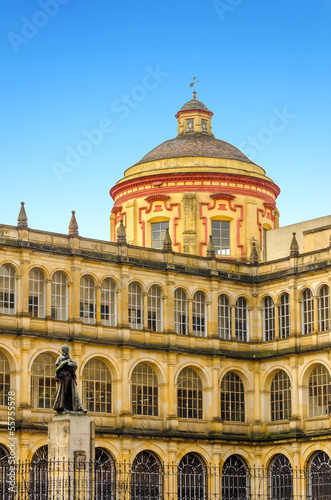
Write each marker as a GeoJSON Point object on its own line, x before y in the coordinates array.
{"type": "Point", "coordinates": [66, 397]}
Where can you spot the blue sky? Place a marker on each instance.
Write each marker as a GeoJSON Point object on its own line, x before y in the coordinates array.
{"type": "Point", "coordinates": [69, 67]}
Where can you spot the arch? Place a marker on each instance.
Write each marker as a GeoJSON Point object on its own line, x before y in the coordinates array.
{"type": "Point", "coordinates": [268, 318]}
{"type": "Point", "coordinates": [146, 476]}
{"type": "Point", "coordinates": [144, 391]}
{"type": "Point", "coordinates": [105, 475]}
{"type": "Point", "coordinates": [108, 302]}
{"type": "Point", "coordinates": [43, 386]}
{"type": "Point", "coordinates": [155, 308]}
{"type": "Point", "coordinates": [284, 315]}
{"type": "Point", "coordinates": [235, 478]}
{"type": "Point", "coordinates": [4, 379]}
{"type": "Point", "coordinates": [280, 397]}
{"type": "Point", "coordinates": [38, 480]}
{"type": "Point", "coordinates": [307, 311]}
{"type": "Point", "coordinates": [59, 296]}
{"type": "Point", "coordinates": [319, 397]}
{"type": "Point", "coordinates": [224, 317]}
{"type": "Point", "coordinates": [7, 289]}
{"type": "Point", "coordinates": [242, 319]}
{"type": "Point", "coordinates": [37, 293]}
{"type": "Point", "coordinates": [189, 394]}
{"type": "Point", "coordinates": [192, 477]}
{"type": "Point", "coordinates": [324, 308]}
{"type": "Point", "coordinates": [319, 473]}
{"type": "Point", "coordinates": [136, 306]}
{"type": "Point", "coordinates": [280, 478]}
{"type": "Point", "coordinates": [97, 386]}
{"type": "Point", "coordinates": [199, 314]}
{"type": "Point", "coordinates": [87, 299]}
{"type": "Point", "coordinates": [181, 311]}
{"type": "Point", "coordinates": [232, 396]}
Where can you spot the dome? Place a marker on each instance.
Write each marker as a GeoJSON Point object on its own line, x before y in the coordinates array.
{"type": "Point", "coordinates": [196, 144]}
{"type": "Point", "coordinates": [194, 104]}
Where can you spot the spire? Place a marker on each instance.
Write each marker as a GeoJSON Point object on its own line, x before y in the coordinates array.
{"type": "Point", "coordinates": [167, 243]}
{"type": "Point", "coordinates": [121, 234]}
{"type": "Point", "coordinates": [294, 248]}
{"type": "Point", "coordinates": [254, 257]}
{"type": "Point", "coordinates": [211, 254]}
{"type": "Point", "coordinates": [22, 220]}
{"type": "Point", "coordinates": [73, 226]}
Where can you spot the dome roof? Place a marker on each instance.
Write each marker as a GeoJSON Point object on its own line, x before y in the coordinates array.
{"type": "Point", "coordinates": [194, 104]}
{"type": "Point", "coordinates": [195, 144]}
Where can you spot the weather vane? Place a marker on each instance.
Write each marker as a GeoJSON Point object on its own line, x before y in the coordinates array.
{"type": "Point", "coordinates": [192, 83]}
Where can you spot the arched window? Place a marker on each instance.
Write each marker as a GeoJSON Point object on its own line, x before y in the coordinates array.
{"type": "Point", "coordinates": [189, 394]}
{"type": "Point", "coordinates": [280, 478]}
{"type": "Point", "coordinates": [4, 379]}
{"type": "Point", "coordinates": [4, 472]}
{"type": "Point", "coordinates": [135, 306]}
{"type": "Point", "coordinates": [146, 477]}
{"type": "Point", "coordinates": [181, 312]}
{"type": "Point", "coordinates": [105, 475]}
{"type": "Point", "coordinates": [199, 314]}
{"type": "Point", "coordinates": [43, 386]}
{"type": "Point", "coordinates": [192, 478]}
{"type": "Point", "coordinates": [145, 396]}
{"type": "Point", "coordinates": [59, 296]}
{"type": "Point", "coordinates": [87, 299]}
{"type": "Point", "coordinates": [37, 293]}
{"type": "Point", "coordinates": [319, 476]}
{"type": "Point", "coordinates": [108, 302]}
{"type": "Point", "coordinates": [224, 318]}
{"type": "Point", "coordinates": [280, 397]}
{"type": "Point", "coordinates": [284, 316]}
{"type": "Point", "coordinates": [241, 315]}
{"type": "Point", "coordinates": [97, 386]}
{"type": "Point", "coordinates": [38, 480]}
{"type": "Point", "coordinates": [232, 398]}
{"type": "Point", "coordinates": [319, 392]}
{"type": "Point", "coordinates": [235, 481]}
{"type": "Point", "coordinates": [268, 319]}
{"type": "Point", "coordinates": [7, 289]}
{"type": "Point", "coordinates": [155, 309]}
{"type": "Point", "coordinates": [307, 312]}
{"type": "Point", "coordinates": [324, 309]}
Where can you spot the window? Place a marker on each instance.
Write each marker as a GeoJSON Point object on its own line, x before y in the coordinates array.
{"type": "Point", "coordinates": [284, 316]}
{"type": "Point", "coordinates": [203, 125]}
{"type": "Point", "coordinates": [38, 480]}
{"type": "Point", "coordinates": [146, 477]}
{"type": "Point", "coordinates": [324, 309]}
{"type": "Point", "coordinates": [4, 379]}
{"type": "Point", "coordinates": [135, 306]}
{"type": "Point", "coordinates": [59, 296]}
{"type": "Point", "coordinates": [43, 386]}
{"type": "Point", "coordinates": [192, 478]}
{"type": "Point", "coordinates": [199, 314]}
{"type": "Point", "coordinates": [97, 386]}
{"type": "Point", "coordinates": [104, 475]}
{"type": "Point", "coordinates": [319, 392]}
{"type": "Point", "coordinates": [158, 233]}
{"type": "Point", "coordinates": [181, 312]}
{"type": "Point", "coordinates": [280, 397]}
{"type": "Point", "coordinates": [220, 231]}
{"type": "Point", "coordinates": [37, 293]}
{"type": "Point", "coordinates": [307, 312]}
{"type": "Point", "coordinates": [144, 391]}
{"type": "Point", "coordinates": [190, 125]}
{"type": "Point", "coordinates": [268, 319]}
{"type": "Point", "coordinates": [87, 299]}
{"type": "Point", "coordinates": [189, 394]}
{"type": "Point", "coordinates": [319, 474]}
{"type": "Point", "coordinates": [155, 309]}
{"type": "Point", "coordinates": [224, 318]}
{"type": "Point", "coordinates": [108, 302]}
{"type": "Point", "coordinates": [7, 289]}
{"type": "Point", "coordinates": [241, 316]}
{"type": "Point", "coordinates": [232, 398]}
{"type": "Point", "coordinates": [280, 478]}
{"type": "Point", "coordinates": [235, 481]}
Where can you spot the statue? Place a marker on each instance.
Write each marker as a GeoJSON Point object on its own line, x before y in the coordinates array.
{"type": "Point", "coordinates": [66, 398]}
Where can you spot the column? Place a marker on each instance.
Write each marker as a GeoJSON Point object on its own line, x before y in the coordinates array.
{"type": "Point", "coordinates": [145, 310]}
{"type": "Point", "coordinates": [233, 322]}
{"type": "Point", "coordinates": [98, 305]}
{"type": "Point", "coordinates": [190, 316]}
{"type": "Point", "coordinates": [316, 326]}
{"type": "Point", "coordinates": [169, 307]}
{"type": "Point", "coordinates": [257, 395]}
{"type": "Point", "coordinates": [172, 396]}
{"type": "Point", "coordinates": [277, 321]}
{"type": "Point", "coordinates": [48, 299]}
{"type": "Point", "coordinates": [125, 414]}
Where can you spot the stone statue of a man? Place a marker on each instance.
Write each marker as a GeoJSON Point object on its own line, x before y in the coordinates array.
{"type": "Point", "coordinates": [66, 398]}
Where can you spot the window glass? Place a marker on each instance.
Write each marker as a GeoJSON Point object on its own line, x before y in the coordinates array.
{"type": "Point", "coordinates": [158, 233]}
{"type": "Point", "coordinates": [220, 231]}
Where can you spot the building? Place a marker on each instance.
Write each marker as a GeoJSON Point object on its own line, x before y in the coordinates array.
{"type": "Point", "coordinates": [201, 330]}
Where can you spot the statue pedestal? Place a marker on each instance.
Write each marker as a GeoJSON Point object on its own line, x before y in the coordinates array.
{"type": "Point", "coordinates": [70, 455]}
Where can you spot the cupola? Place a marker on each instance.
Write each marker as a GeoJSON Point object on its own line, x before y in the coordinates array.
{"type": "Point", "coordinates": [194, 118]}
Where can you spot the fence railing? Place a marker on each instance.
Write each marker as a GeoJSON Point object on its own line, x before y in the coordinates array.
{"type": "Point", "coordinates": [63, 480]}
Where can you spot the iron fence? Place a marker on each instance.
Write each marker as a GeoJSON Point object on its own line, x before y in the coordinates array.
{"type": "Point", "coordinates": [63, 480]}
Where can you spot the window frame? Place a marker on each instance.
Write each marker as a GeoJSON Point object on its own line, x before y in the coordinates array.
{"type": "Point", "coordinates": [181, 312]}
{"type": "Point", "coordinates": [268, 319]}
{"type": "Point", "coordinates": [7, 289]}
{"type": "Point", "coordinates": [221, 237]}
{"type": "Point", "coordinates": [144, 391]}
{"type": "Point", "coordinates": [189, 394]}
{"type": "Point", "coordinates": [280, 397]}
{"type": "Point", "coordinates": [59, 300]}
{"type": "Point", "coordinates": [43, 385]}
{"type": "Point", "coordinates": [108, 302]}
{"type": "Point", "coordinates": [135, 306]}
{"type": "Point", "coordinates": [87, 309]}
{"type": "Point", "coordinates": [97, 382]}
{"type": "Point", "coordinates": [232, 398]}
{"type": "Point", "coordinates": [160, 231]}
{"type": "Point", "coordinates": [37, 293]}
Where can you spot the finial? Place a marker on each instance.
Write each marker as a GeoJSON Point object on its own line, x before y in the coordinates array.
{"type": "Point", "coordinates": [294, 248]}
{"type": "Point", "coordinates": [211, 254]}
{"type": "Point", "coordinates": [22, 220]}
{"type": "Point", "coordinates": [121, 234]}
{"type": "Point", "coordinates": [167, 243]}
{"type": "Point", "coordinates": [73, 226]}
{"type": "Point", "coordinates": [254, 257]}
{"type": "Point", "coordinates": [192, 83]}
